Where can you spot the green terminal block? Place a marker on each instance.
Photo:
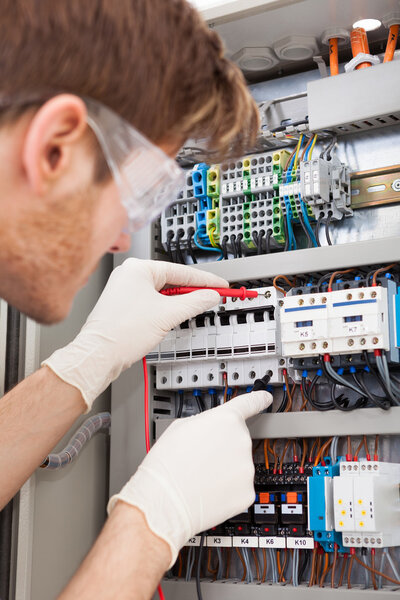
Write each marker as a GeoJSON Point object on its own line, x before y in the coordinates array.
{"type": "Point", "coordinates": [247, 238]}
{"type": "Point", "coordinates": [212, 224]}
{"type": "Point", "coordinates": [279, 162]}
{"type": "Point", "coordinates": [247, 176]}
{"type": "Point", "coordinates": [278, 231]}
{"type": "Point", "coordinates": [213, 180]}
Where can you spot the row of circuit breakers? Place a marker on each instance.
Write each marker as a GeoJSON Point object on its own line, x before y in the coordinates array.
{"type": "Point", "coordinates": [241, 202]}
{"type": "Point", "coordinates": [241, 341]}
{"type": "Point", "coordinates": [350, 504]}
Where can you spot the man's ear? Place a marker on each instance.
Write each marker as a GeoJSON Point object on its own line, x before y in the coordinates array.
{"type": "Point", "coordinates": [50, 138]}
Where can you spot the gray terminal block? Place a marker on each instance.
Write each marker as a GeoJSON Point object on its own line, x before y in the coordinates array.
{"type": "Point", "coordinates": [231, 217]}
{"type": "Point", "coordinates": [179, 217]}
{"type": "Point", "coordinates": [325, 186]}
{"type": "Point", "coordinates": [260, 209]}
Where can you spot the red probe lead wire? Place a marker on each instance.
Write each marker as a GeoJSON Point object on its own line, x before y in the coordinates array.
{"type": "Point", "coordinates": [147, 431]}
{"type": "Point", "coordinates": [241, 293]}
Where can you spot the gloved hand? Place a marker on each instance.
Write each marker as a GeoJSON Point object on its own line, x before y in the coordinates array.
{"type": "Point", "coordinates": [198, 474]}
{"type": "Point", "coordinates": [130, 318]}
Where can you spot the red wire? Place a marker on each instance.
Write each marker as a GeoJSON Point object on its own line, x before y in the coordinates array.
{"type": "Point", "coordinates": [147, 431]}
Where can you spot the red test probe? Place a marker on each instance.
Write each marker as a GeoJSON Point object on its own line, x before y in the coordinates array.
{"type": "Point", "coordinates": [241, 293]}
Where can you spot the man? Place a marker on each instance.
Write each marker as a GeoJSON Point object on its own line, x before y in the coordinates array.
{"type": "Point", "coordinates": [79, 81]}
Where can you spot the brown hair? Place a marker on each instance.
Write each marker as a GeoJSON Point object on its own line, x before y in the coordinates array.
{"type": "Point", "coordinates": [155, 62]}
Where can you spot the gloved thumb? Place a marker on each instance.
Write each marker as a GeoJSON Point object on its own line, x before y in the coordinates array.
{"type": "Point", "coordinates": [190, 305]}
{"type": "Point", "coordinates": [249, 405]}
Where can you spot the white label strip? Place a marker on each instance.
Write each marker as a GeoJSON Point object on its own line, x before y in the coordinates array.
{"type": "Point", "coordinates": [219, 542]}
{"type": "Point", "coordinates": [244, 542]}
{"type": "Point", "coordinates": [194, 541]}
{"type": "Point", "coordinates": [301, 542]}
{"type": "Point", "coordinates": [292, 509]}
{"type": "Point", "coordinates": [272, 542]}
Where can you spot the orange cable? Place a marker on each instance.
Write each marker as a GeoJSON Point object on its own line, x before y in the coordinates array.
{"type": "Point", "coordinates": [391, 43]}
{"type": "Point", "coordinates": [312, 573]}
{"type": "Point", "coordinates": [335, 274]}
{"type": "Point", "coordinates": [264, 574]}
{"type": "Point", "coordinates": [304, 453]}
{"type": "Point", "coordinates": [359, 44]}
{"type": "Point", "coordinates": [325, 570]}
{"type": "Point", "coordinates": [334, 56]}
{"type": "Point", "coordinates": [351, 561]}
{"type": "Point", "coordinates": [334, 562]}
{"type": "Point", "coordinates": [321, 452]}
{"type": "Point", "coordinates": [382, 270]}
{"type": "Point", "coordinates": [375, 571]}
{"type": "Point", "coordinates": [266, 455]}
{"type": "Point", "coordinates": [253, 551]}
{"type": "Point", "coordinates": [343, 569]}
{"type": "Point", "coordinates": [243, 564]}
{"type": "Point", "coordinates": [279, 289]}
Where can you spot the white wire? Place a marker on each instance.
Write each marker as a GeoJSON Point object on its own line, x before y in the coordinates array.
{"type": "Point", "coordinates": [366, 572]}
{"type": "Point", "coordinates": [383, 559]}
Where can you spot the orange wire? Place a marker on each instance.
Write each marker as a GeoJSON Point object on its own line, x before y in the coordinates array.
{"type": "Point", "coordinates": [243, 564]}
{"type": "Point", "coordinates": [311, 455]}
{"type": "Point", "coordinates": [373, 569]}
{"type": "Point", "coordinates": [395, 581]}
{"type": "Point", "coordinates": [279, 289]}
{"type": "Point", "coordinates": [288, 391]}
{"type": "Point", "coordinates": [284, 454]}
{"type": "Point", "coordinates": [334, 56]}
{"type": "Point", "coordinates": [304, 454]}
{"type": "Point", "coordinates": [334, 562]}
{"type": "Point", "coordinates": [376, 447]}
{"type": "Point", "coordinates": [391, 43]}
{"type": "Point", "coordinates": [312, 574]}
{"type": "Point", "coordinates": [335, 274]}
{"type": "Point", "coordinates": [274, 452]}
{"type": "Point", "coordinates": [359, 44]}
{"type": "Point", "coordinates": [325, 570]}
{"type": "Point", "coordinates": [351, 561]}
{"type": "Point", "coordinates": [180, 568]}
{"type": "Point", "coordinates": [349, 445]}
{"type": "Point", "coordinates": [320, 454]}
{"type": "Point", "coordinates": [304, 405]}
{"type": "Point", "coordinates": [209, 568]}
{"type": "Point", "coordinates": [228, 562]}
{"type": "Point", "coordinates": [226, 387]}
{"type": "Point", "coordinates": [253, 551]}
{"type": "Point", "coordinates": [266, 455]}
{"type": "Point", "coordinates": [360, 445]}
{"type": "Point", "coordinates": [264, 575]}
{"type": "Point", "coordinates": [382, 270]}
{"type": "Point", "coordinates": [343, 569]}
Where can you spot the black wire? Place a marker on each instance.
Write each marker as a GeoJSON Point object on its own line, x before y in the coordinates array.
{"type": "Point", "coordinates": [224, 248]}
{"type": "Point", "coordinates": [254, 235]}
{"type": "Point", "coordinates": [341, 402]}
{"type": "Point", "coordinates": [238, 245]}
{"type": "Point", "coordinates": [260, 240]}
{"type": "Point", "coordinates": [268, 241]}
{"type": "Point", "coordinates": [379, 401]}
{"type": "Point", "coordinates": [316, 403]}
{"type": "Point", "coordinates": [376, 375]}
{"type": "Point", "coordinates": [190, 247]}
{"type": "Point", "coordinates": [198, 586]}
{"type": "Point", "coordinates": [317, 229]}
{"type": "Point", "coordinates": [284, 402]}
{"type": "Point", "coordinates": [295, 245]}
{"type": "Point", "coordinates": [286, 230]}
{"type": "Point", "coordinates": [309, 240]}
{"type": "Point", "coordinates": [179, 254]}
{"type": "Point", "coordinates": [200, 404]}
{"type": "Point", "coordinates": [305, 564]}
{"type": "Point", "coordinates": [322, 279]}
{"type": "Point", "coordinates": [327, 230]}
{"type": "Point", "coordinates": [169, 249]}
{"type": "Point", "coordinates": [233, 243]}
{"type": "Point", "coordinates": [360, 401]}
{"type": "Point", "coordinates": [180, 407]}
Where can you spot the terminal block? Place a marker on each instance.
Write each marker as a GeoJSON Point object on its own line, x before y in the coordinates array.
{"type": "Point", "coordinates": [325, 186]}
{"type": "Point", "coordinates": [179, 219]}
{"type": "Point", "coordinates": [367, 504]}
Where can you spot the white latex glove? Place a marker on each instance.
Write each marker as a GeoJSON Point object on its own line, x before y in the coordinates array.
{"type": "Point", "coordinates": [198, 474]}
{"type": "Point", "coordinates": [130, 318]}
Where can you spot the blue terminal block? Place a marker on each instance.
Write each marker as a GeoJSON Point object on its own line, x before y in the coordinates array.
{"type": "Point", "coordinates": [320, 506]}
{"type": "Point", "coordinates": [199, 178]}
{"type": "Point", "coordinates": [201, 228]}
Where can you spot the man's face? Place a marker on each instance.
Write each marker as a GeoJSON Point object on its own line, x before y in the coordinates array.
{"type": "Point", "coordinates": [56, 223]}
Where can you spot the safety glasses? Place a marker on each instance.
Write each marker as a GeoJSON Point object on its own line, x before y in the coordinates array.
{"type": "Point", "coordinates": [147, 179]}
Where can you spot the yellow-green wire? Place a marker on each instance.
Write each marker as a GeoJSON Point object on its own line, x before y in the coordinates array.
{"type": "Point", "coordinates": [296, 156]}
{"type": "Point", "coordinates": [211, 236]}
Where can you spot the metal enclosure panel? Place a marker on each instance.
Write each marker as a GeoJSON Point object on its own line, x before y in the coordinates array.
{"type": "Point", "coordinates": [346, 95]}
{"type": "Point", "coordinates": [62, 512]}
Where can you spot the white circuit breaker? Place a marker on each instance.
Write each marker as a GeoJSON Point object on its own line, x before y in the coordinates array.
{"type": "Point", "coordinates": [367, 504]}
{"type": "Point", "coordinates": [342, 321]}
{"type": "Point", "coordinates": [239, 338]}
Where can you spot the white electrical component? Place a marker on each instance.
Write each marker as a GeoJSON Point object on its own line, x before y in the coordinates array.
{"type": "Point", "coordinates": [367, 504]}
{"type": "Point", "coordinates": [343, 321]}
{"type": "Point", "coordinates": [240, 339]}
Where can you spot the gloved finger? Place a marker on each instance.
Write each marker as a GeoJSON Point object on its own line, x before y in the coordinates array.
{"type": "Point", "coordinates": [190, 305]}
{"type": "Point", "coordinates": [249, 405]}
{"type": "Point", "coordinates": [169, 273]}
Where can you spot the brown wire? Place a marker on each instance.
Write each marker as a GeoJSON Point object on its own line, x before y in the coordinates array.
{"type": "Point", "coordinates": [274, 452]}
{"type": "Point", "coordinates": [306, 147]}
{"type": "Point", "coordinates": [313, 447]}
{"type": "Point", "coordinates": [266, 455]}
{"type": "Point", "coordinates": [376, 445]}
{"type": "Point", "coordinates": [360, 445]}
{"type": "Point", "coordinates": [284, 454]}
{"type": "Point", "coordinates": [288, 391]}
{"type": "Point", "coordinates": [373, 569]}
{"type": "Point", "coordinates": [235, 393]}
{"type": "Point", "coordinates": [320, 454]}
{"type": "Point", "coordinates": [282, 573]}
{"type": "Point", "coordinates": [290, 157]}
{"type": "Point", "coordinates": [395, 581]}
{"type": "Point", "coordinates": [279, 289]}
{"type": "Point", "coordinates": [312, 573]}
{"type": "Point", "coordinates": [228, 562]}
{"type": "Point", "coordinates": [304, 405]}
{"type": "Point", "coordinates": [318, 568]}
{"type": "Point", "coordinates": [335, 274]}
{"type": "Point", "coordinates": [226, 389]}
{"type": "Point", "coordinates": [382, 270]}
{"type": "Point", "coordinates": [264, 574]}
{"type": "Point", "coordinates": [243, 563]}
{"type": "Point", "coordinates": [351, 561]}
{"type": "Point", "coordinates": [366, 446]}
{"type": "Point", "coordinates": [304, 453]}
{"type": "Point", "coordinates": [325, 571]}
{"type": "Point", "coordinates": [180, 562]}
{"type": "Point", "coordinates": [334, 562]}
{"type": "Point", "coordinates": [209, 568]}
{"type": "Point", "coordinates": [349, 445]}
{"type": "Point", "coordinates": [342, 570]}
{"type": "Point", "coordinates": [253, 551]}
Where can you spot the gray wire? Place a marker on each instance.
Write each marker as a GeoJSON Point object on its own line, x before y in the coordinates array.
{"type": "Point", "coordinates": [295, 568]}
{"type": "Point", "coordinates": [275, 575]}
{"type": "Point", "coordinates": [386, 379]}
{"type": "Point", "coordinates": [220, 564]}
{"type": "Point", "coordinates": [392, 564]}
{"type": "Point", "coordinates": [249, 575]}
{"type": "Point", "coordinates": [395, 388]}
{"type": "Point", "coordinates": [334, 448]}
{"type": "Point", "coordinates": [366, 572]}
{"type": "Point", "coordinates": [381, 567]}
{"type": "Point", "coordinates": [341, 380]}
{"type": "Point", "coordinates": [189, 565]}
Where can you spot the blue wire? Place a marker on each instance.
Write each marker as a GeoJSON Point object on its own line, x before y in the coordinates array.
{"type": "Point", "coordinates": [207, 248]}
{"type": "Point", "coordinates": [307, 222]}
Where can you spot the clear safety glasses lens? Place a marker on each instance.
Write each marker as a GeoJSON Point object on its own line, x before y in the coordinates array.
{"type": "Point", "coordinates": [148, 180]}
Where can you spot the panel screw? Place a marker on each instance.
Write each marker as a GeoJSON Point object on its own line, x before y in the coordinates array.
{"type": "Point", "coordinates": [349, 296]}
{"type": "Point", "coordinates": [346, 540]}
{"type": "Point", "coordinates": [358, 540]}
{"type": "Point", "coordinates": [324, 300]}
{"type": "Point", "coordinates": [282, 361]}
{"type": "Point", "coordinates": [396, 185]}
{"type": "Point", "coordinates": [267, 294]}
{"type": "Point", "coordinates": [222, 308]}
{"type": "Point", "coordinates": [355, 467]}
{"type": "Point", "coordinates": [361, 295]}
{"type": "Point", "coordinates": [379, 541]}
{"type": "Point", "coordinates": [222, 366]}
{"type": "Point", "coordinates": [363, 468]}
{"type": "Point", "coordinates": [312, 300]}
{"type": "Point", "coordinates": [373, 294]}
{"type": "Point", "coordinates": [302, 347]}
{"type": "Point", "coordinates": [366, 541]}
{"type": "Point", "coordinates": [375, 467]}
{"type": "Point", "coordinates": [375, 340]}
{"type": "Point", "coordinates": [373, 540]}
{"type": "Point", "coordinates": [313, 345]}
{"type": "Point", "coordinates": [301, 301]}
{"type": "Point", "coordinates": [325, 345]}
{"type": "Point", "coordinates": [362, 341]}
{"type": "Point", "coordinates": [280, 302]}
{"type": "Point", "coordinates": [234, 299]}
{"type": "Point", "coordinates": [350, 342]}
